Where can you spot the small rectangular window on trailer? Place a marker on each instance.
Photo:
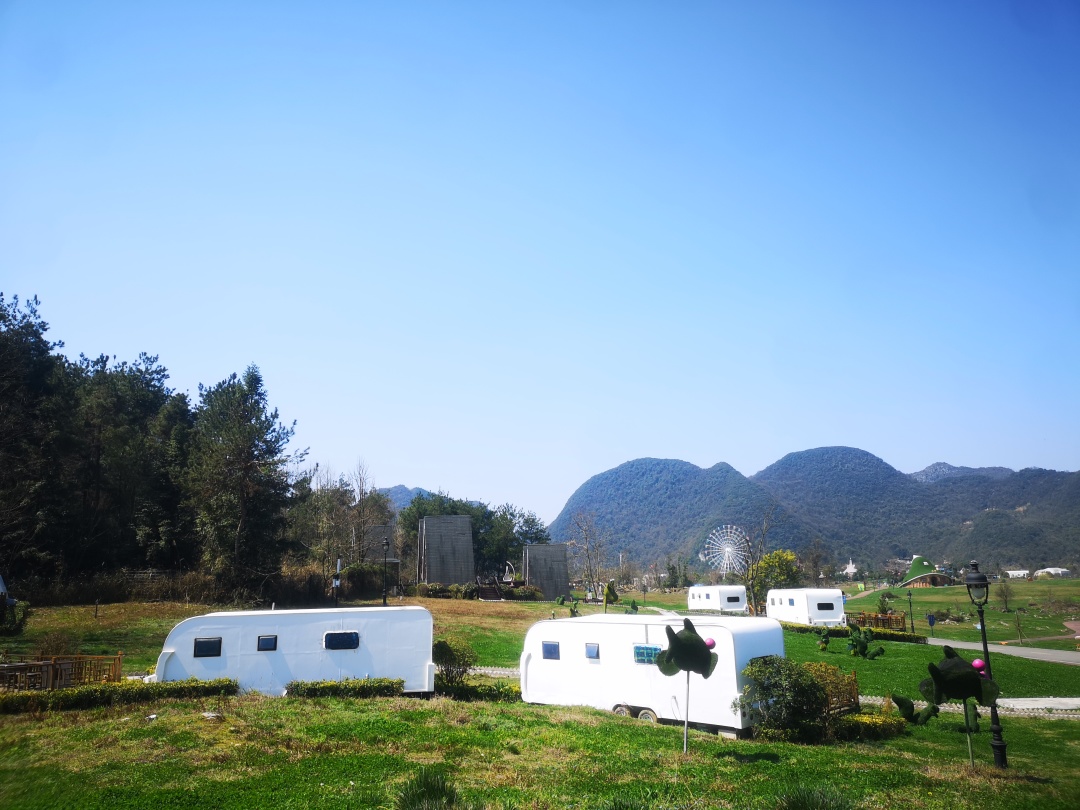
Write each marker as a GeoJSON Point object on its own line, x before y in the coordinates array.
{"type": "Point", "coordinates": [344, 640]}
{"type": "Point", "coordinates": [551, 650]}
{"type": "Point", "coordinates": [708, 596]}
{"type": "Point", "coordinates": [267, 643]}
{"type": "Point", "coordinates": [208, 648]}
{"type": "Point", "coordinates": [826, 606]}
{"type": "Point", "coordinates": [791, 602]}
{"type": "Point", "coordinates": [592, 651]}
{"type": "Point", "coordinates": [733, 599]}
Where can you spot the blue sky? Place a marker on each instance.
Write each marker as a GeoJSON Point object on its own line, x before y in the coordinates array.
{"type": "Point", "coordinates": [498, 248]}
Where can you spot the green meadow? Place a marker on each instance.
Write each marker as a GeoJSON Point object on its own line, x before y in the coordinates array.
{"type": "Point", "coordinates": [340, 753]}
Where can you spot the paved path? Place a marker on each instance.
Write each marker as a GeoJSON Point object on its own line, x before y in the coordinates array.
{"type": "Point", "coordinates": [1036, 653]}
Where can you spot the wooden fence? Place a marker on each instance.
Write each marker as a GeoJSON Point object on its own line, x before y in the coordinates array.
{"type": "Point", "coordinates": [841, 689]}
{"type": "Point", "coordinates": [885, 621]}
{"type": "Point", "coordinates": [62, 672]}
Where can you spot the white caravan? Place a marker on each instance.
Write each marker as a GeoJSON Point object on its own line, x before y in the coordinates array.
{"type": "Point", "coordinates": [725, 598]}
{"type": "Point", "coordinates": [266, 649]}
{"type": "Point", "coordinates": [608, 662]}
{"type": "Point", "coordinates": [818, 607]}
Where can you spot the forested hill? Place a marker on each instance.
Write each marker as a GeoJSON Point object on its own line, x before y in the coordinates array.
{"type": "Point", "coordinates": [858, 505]}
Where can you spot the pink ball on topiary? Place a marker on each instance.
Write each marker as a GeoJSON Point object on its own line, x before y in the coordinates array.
{"type": "Point", "coordinates": [710, 643]}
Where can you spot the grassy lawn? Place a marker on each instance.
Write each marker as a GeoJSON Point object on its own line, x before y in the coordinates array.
{"type": "Point", "coordinates": [1042, 608]}
{"type": "Point", "coordinates": [351, 754]}
{"type": "Point", "coordinates": [330, 753]}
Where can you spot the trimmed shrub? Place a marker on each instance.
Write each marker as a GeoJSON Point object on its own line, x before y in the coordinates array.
{"type": "Point", "coordinates": [868, 727]}
{"type": "Point", "coordinates": [784, 701]}
{"type": "Point", "coordinates": [880, 634]}
{"type": "Point", "coordinates": [15, 619]}
{"type": "Point", "coordinates": [349, 688]}
{"type": "Point", "coordinates": [498, 692]}
{"type": "Point", "coordinates": [523, 593]}
{"type": "Point", "coordinates": [113, 694]}
{"type": "Point", "coordinates": [453, 658]}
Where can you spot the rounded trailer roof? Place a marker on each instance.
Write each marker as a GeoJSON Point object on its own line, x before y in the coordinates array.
{"type": "Point", "coordinates": [326, 612]}
{"type": "Point", "coordinates": [735, 625]}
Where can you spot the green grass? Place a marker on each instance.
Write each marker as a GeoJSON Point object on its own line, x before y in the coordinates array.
{"type": "Point", "coordinates": [336, 753]}
{"type": "Point", "coordinates": [904, 666]}
{"type": "Point", "coordinates": [1042, 607]}
{"type": "Point", "coordinates": [340, 753]}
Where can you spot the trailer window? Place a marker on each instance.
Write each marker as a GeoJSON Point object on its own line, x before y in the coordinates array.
{"type": "Point", "coordinates": [349, 640]}
{"type": "Point", "coordinates": [708, 596]}
{"type": "Point", "coordinates": [551, 650]}
{"type": "Point", "coordinates": [645, 653]}
{"type": "Point", "coordinates": [826, 606]}
{"type": "Point", "coordinates": [592, 651]}
{"type": "Point", "coordinates": [791, 602]}
{"type": "Point", "coordinates": [267, 643]}
{"type": "Point", "coordinates": [733, 599]}
{"type": "Point", "coordinates": [208, 648]}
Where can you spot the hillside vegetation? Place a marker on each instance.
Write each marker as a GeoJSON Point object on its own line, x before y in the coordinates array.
{"type": "Point", "coordinates": [855, 503]}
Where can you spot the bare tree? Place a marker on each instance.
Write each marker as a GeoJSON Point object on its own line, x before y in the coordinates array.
{"type": "Point", "coordinates": [756, 551]}
{"type": "Point", "coordinates": [587, 546]}
{"type": "Point", "coordinates": [1004, 593]}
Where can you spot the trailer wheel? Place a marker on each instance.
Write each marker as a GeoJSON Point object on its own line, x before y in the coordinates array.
{"type": "Point", "coordinates": [623, 711]}
{"type": "Point", "coordinates": [647, 715]}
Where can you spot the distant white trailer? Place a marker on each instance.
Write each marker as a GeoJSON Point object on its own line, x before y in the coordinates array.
{"type": "Point", "coordinates": [725, 598]}
{"type": "Point", "coordinates": [608, 662]}
{"type": "Point", "coordinates": [812, 606]}
{"type": "Point", "coordinates": [266, 649]}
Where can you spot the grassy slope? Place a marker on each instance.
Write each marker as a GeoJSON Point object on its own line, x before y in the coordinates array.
{"type": "Point", "coordinates": [288, 753]}
{"type": "Point", "coordinates": [334, 753]}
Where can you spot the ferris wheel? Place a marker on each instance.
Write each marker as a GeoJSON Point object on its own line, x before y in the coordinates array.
{"type": "Point", "coordinates": [727, 549]}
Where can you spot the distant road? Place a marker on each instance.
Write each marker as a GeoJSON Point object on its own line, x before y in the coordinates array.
{"type": "Point", "coordinates": [1055, 656]}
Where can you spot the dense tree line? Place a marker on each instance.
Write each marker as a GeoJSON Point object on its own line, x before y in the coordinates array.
{"type": "Point", "coordinates": [104, 467]}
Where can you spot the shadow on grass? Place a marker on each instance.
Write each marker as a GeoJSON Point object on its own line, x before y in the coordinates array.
{"type": "Point", "coordinates": [746, 759]}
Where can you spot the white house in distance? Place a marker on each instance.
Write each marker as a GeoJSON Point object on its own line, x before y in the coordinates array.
{"type": "Point", "coordinates": [1054, 572]}
{"type": "Point", "coordinates": [1018, 574]}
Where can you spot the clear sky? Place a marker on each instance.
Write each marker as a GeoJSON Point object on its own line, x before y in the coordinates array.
{"type": "Point", "coordinates": [498, 248]}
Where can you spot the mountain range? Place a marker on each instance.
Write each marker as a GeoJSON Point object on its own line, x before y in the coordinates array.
{"type": "Point", "coordinates": [857, 505]}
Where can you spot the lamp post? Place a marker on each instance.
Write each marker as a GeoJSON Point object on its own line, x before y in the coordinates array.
{"type": "Point", "coordinates": [978, 588]}
{"type": "Point", "coordinates": [385, 548]}
{"type": "Point", "coordinates": [910, 612]}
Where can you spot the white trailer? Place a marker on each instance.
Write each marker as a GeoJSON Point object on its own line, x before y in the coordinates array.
{"type": "Point", "coordinates": [608, 662]}
{"type": "Point", "coordinates": [725, 598]}
{"type": "Point", "coordinates": [817, 607]}
{"type": "Point", "coordinates": [266, 649]}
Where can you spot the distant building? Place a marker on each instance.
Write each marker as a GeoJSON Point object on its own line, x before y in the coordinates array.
{"type": "Point", "coordinates": [444, 552]}
{"type": "Point", "coordinates": [924, 574]}
{"type": "Point", "coordinates": [850, 571]}
{"type": "Point", "coordinates": [545, 566]}
{"type": "Point", "coordinates": [1054, 572]}
{"type": "Point", "coordinates": [1017, 574]}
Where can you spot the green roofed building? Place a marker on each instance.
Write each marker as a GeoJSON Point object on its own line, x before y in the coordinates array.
{"type": "Point", "coordinates": [924, 574]}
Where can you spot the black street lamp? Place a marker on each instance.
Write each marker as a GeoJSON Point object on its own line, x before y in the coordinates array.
{"type": "Point", "coordinates": [910, 612]}
{"type": "Point", "coordinates": [385, 548]}
{"type": "Point", "coordinates": [978, 588]}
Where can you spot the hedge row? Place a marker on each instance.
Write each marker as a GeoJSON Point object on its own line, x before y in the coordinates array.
{"type": "Point", "coordinates": [93, 696]}
{"type": "Point", "coordinates": [498, 692]}
{"type": "Point", "coordinates": [868, 727]}
{"type": "Point", "coordinates": [880, 634]}
{"type": "Point", "coordinates": [350, 687]}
